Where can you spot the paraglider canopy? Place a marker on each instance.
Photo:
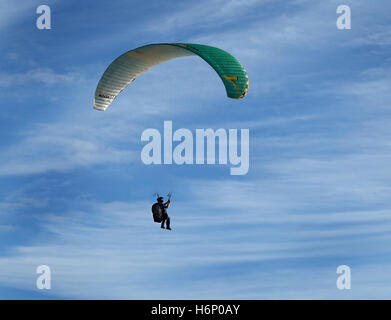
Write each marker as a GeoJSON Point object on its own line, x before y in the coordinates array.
{"type": "Point", "coordinates": [130, 65]}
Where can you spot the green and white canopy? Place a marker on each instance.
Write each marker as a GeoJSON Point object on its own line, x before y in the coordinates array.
{"type": "Point", "coordinates": [127, 67]}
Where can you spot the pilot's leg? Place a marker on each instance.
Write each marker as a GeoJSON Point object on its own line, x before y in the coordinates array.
{"type": "Point", "coordinates": [168, 223]}
{"type": "Point", "coordinates": [164, 218]}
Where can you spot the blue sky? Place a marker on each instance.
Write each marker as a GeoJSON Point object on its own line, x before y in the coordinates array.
{"type": "Point", "coordinates": [75, 195]}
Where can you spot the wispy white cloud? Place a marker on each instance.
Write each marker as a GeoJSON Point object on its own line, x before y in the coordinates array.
{"type": "Point", "coordinates": [44, 76]}
{"type": "Point", "coordinates": [379, 37]}
{"type": "Point", "coordinates": [59, 147]}
{"type": "Point", "coordinates": [114, 250]}
{"type": "Point", "coordinates": [22, 203]}
{"type": "Point", "coordinates": [204, 13]}
{"type": "Point", "coordinates": [11, 13]}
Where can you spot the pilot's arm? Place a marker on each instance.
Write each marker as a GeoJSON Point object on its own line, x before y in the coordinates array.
{"type": "Point", "coordinates": [167, 204]}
